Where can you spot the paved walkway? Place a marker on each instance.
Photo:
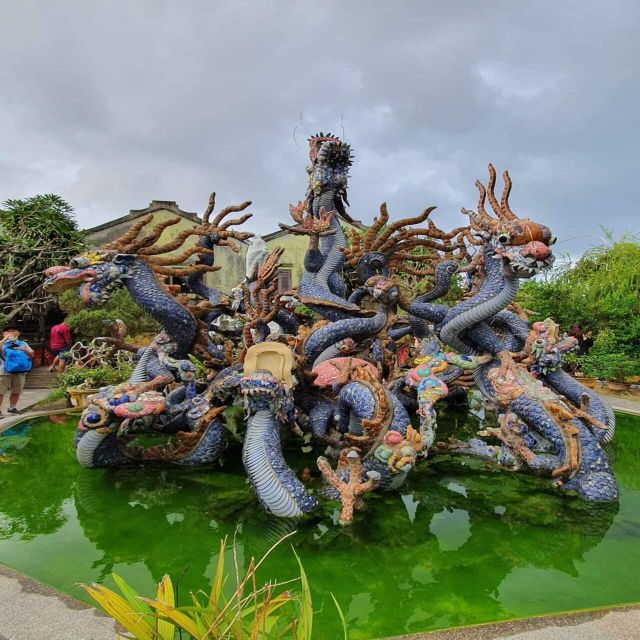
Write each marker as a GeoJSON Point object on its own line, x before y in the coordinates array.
{"type": "Point", "coordinates": [626, 405]}
{"type": "Point", "coordinates": [29, 397]}
{"type": "Point", "coordinates": [614, 623]}
{"type": "Point", "coordinates": [30, 610]}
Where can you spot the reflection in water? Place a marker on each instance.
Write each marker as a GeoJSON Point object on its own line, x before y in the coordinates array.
{"type": "Point", "coordinates": [439, 555]}
{"type": "Point", "coordinates": [154, 519]}
{"type": "Point", "coordinates": [31, 498]}
{"type": "Point", "coordinates": [451, 528]}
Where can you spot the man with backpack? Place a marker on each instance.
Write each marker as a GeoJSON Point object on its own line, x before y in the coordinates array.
{"type": "Point", "coordinates": [16, 359]}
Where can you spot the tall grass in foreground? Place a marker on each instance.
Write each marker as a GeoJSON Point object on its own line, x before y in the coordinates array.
{"type": "Point", "coordinates": [268, 612]}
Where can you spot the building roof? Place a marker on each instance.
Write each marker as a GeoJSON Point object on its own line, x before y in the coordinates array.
{"type": "Point", "coordinates": [154, 205]}
{"type": "Point", "coordinates": [172, 207]}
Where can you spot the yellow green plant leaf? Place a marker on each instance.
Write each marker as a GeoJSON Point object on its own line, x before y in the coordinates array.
{"type": "Point", "coordinates": [165, 629]}
{"type": "Point", "coordinates": [249, 613]}
{"type": "Point", "coordinates": [341, 615]}
{"type": "Point", "coordinates": [118, 608]}
{"type": "Point", "coordinates": [267, 625]}
{"type": "Point", "coordinates": [273, 605]}
{"type": "Point", "coordinates": [218, 578]}
{"type": "Point", "coordinates": [203, 616]}
{"type": "Point", "coordinates": [131, 595]}
{"type": "Point", "coordinates": [176, 616]}
{"type": "Point", "coordinates": [305, 621]}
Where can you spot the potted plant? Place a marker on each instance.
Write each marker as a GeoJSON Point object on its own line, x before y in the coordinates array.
{"type": "Point", "coordinates": [79, 396]}
{"type": "Point", "coordinates": [82, 382]}
{"type": "Point", "coordinates": [620, 368]}
{"type": "Point", "coordinates": [613, 368]}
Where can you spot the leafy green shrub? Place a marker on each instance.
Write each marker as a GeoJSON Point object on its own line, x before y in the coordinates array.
{"type": "Point", "coordinates": [55, 395]}
{"type": "Point", "coordinates": [599, 292]}
{"type": "Point", "coordinates": [607, 359]}
{"type": "Point", "coordinates": [593, 366]}
{"type": "Point", "coordinates": [614, 366]}
{"type": "Point", "coordinates": [94, 378]}
{"type": "Point", "coordinates": [57, 399]}
{"type": "Point", "coordinates": [87, 324]}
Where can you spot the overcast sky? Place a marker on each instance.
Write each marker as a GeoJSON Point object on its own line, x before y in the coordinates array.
{"type": "Point", "coordinates": [112, 104]}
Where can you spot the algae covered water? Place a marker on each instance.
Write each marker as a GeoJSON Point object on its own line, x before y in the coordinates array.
{"type": "Point", "coordinates": [462, 543]}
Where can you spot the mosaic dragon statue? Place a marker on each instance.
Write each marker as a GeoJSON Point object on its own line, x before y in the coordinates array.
{"type": "Point", "coordinates": [144, 403]}
{"type": "Point", "coordinates": [321, 287]}
{"type": "Point", "coordinates": [376, 352]}
{"type": "Point", "coordinates": [561, 427]}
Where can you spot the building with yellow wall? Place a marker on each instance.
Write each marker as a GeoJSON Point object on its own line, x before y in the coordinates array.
{"type": "Point", "coordinates": [232, 264]}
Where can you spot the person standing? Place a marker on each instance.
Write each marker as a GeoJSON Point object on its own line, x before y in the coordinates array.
{"type": "Point", "coordinates": [60, 343]}
{"type": "Point", "coordinates": [584, 342]}
{"type": "Point", "coordinates": [16, 359]}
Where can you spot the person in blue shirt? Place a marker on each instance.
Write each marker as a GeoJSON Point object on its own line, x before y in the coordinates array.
{"type": "Point", "coordinates": [12, 382]}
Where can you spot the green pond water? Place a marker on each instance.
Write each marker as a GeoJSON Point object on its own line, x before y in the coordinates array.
{"type": "Point", "coordinates": [462, 543]}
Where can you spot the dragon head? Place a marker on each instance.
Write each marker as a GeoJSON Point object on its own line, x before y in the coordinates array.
{"type": "Point", "coordinates": [97, 275]}
{"type": "Point", "coordinates": [262, 390]}
{"type": "Point", "coordinates": [522, 245]}
{"type": "Point", "coordinates": [100, 413]}
{"type": "Point", "coordinates": [546, 348]}
{"type": "Point", "coordinates": [370, 264]}
{"type": "Point", "coordinates": [402, 249]}
{"type": "Point", "coordinates": [383, 290]}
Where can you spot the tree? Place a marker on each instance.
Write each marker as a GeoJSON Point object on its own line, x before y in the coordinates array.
{"type": "Point", "coordinates": [601, 292]}
{"type": "Point", "coordinates": [35, 233]}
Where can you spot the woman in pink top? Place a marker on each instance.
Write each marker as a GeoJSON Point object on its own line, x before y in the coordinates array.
{"type": "Point", "coordinates": [60, 343]}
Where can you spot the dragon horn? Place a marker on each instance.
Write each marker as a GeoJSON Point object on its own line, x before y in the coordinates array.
{"type": "Point", "coordinates": [504, 204]}
{"type": "Point", "coordinates": [378, 223]}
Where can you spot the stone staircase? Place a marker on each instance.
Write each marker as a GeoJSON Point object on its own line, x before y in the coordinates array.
{"type": "Point", "coordinates": [41, 378]}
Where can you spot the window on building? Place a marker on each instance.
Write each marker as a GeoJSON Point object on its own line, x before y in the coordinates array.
{"type": "Point", "coordinates": [175, 283]}
{"type": "Point", "coordinates": [284, 280]}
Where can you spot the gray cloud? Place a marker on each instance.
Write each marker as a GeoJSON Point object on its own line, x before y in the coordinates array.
{"type": "Point", "coordinates": [114, 104]}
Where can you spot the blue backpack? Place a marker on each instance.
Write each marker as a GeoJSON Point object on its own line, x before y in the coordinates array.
{"type": "Point", "coordinates": [15, 361]}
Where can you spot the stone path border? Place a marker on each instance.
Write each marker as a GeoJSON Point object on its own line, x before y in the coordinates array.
{"type": "Point", "coordinates": [609, 623]}
{"type": "Point", "coordinates": [30, 610]}
{"type": "Point", "coordinates": [625, 405]}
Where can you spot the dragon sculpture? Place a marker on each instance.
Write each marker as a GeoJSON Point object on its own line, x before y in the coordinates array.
{"type": "Point", "coordinates": [347, 373]}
